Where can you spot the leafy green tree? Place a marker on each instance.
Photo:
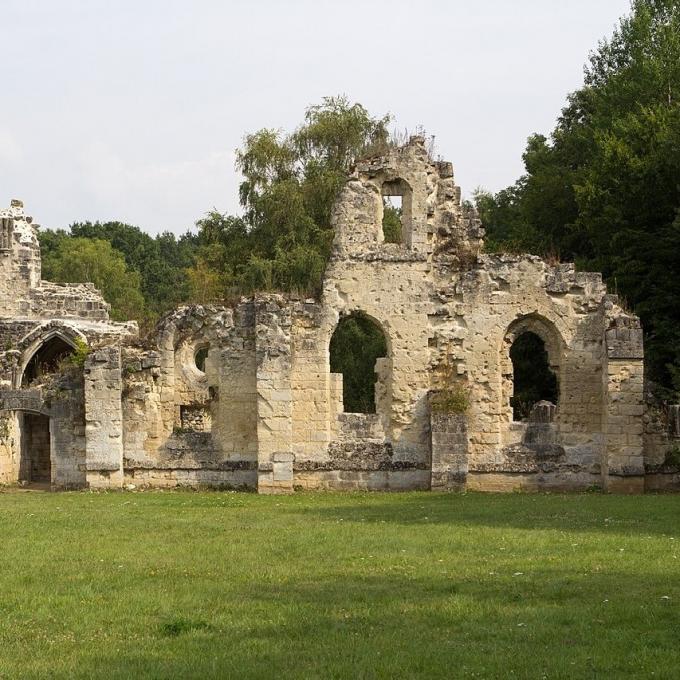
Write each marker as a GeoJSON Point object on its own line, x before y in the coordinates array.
{"type": "Point", "coordinates": [161, 261]}
{"type": "Point", "coordinates": [391, 223]}
{"type": "Point", "coordinates": [290, 182]}
{"type": "Point", "coordinates": [83, 260]}
{"type": "Point", "coordinates": [605, 189]}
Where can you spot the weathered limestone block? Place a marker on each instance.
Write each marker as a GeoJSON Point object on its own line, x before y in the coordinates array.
{"type": "Point", "coordinates": [624, 402]}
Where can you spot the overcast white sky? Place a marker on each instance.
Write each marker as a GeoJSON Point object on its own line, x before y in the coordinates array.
{"type": "Point", "coordinates": [131, 110]}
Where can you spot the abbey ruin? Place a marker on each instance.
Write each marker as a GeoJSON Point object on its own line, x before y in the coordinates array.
{"type": "Point", "coordinates": [243, 396]}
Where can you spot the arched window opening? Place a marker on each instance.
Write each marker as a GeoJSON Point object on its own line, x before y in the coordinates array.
{"type": "Point", "coordinates": [356, 345]}
{"type": "Point", "coordinates": [396, 196]}
{"type": "Point", "coordinates": [200, 357]}
{"type": "Point", "coordinates": [533, 379]}
{"type": "Point", "coordinates": [46, 360]}
{"type": "Point", "coordinates": [6, 229]}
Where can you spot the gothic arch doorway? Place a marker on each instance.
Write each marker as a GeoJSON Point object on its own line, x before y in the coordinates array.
{"type": "Point", "coordinates": [46, 359]}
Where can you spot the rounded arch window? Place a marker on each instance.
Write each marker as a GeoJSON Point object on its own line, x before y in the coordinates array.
{"type": "Point", "coordinates": [396, 210]}
{"type": "Point", "coordinates": [533, 377]}
{"type": "Point", "coordinates": [200, 357]}
{"type": "Point", "coordinates": [355, 347]}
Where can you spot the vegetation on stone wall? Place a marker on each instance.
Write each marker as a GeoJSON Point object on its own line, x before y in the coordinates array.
{"type": "Point", "coordinates": [81, 260]}
{"type": "Point", "coordinates": [604, 189]}
{"type": "Point", "coordinates": [290, 182]}
{"type": "Point", "coordinates": [451, 400]}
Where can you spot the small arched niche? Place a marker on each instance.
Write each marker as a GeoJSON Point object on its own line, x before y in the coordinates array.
{"type": "Point", "coordinates": [397, 211]}
{"type": "Point", "coordinates": [531, 367]}
{"type": "Point", "coordinates": [46, 359]}
{"type": "Point", "coordinates": [356, 349]}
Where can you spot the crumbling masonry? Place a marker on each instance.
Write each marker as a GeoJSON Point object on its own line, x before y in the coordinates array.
{"type": "Point", "coordinates": [243, 396]}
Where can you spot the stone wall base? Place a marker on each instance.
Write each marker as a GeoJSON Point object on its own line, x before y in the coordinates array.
{"type": "Point", "coordinates": [625, 485]}
{"type": "Point", "coordinates": [662, 481]}
{"type": "Point", "coordinates": [104, 479]}
{"type": "Point", "coordinates": [364, 480]}
{"type": "Point", "coordinates": [276, 476]}
{"type": "Point", "coordinates": [520, 481]}
{"type": "Point", "coordinates": [194, 478]}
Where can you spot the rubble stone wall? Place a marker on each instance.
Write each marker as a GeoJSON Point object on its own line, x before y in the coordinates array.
{"type": "Point", "coordinates": [261, 409]}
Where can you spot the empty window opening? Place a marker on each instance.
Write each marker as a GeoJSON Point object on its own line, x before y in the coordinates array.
{"type": "Point", "coordinates": [391, 223]}
{"type": "Point", "coordinates": [396, 196]}
{"type": "Point", "coordinates": [6, 228]}
{"type": "Point", "coordinates": [200, 358]}
{"type": "Point", "coordinates": [35, 465]}
{"type": "Point", "coordinates": [533, 378]}
{"type": "Point", "coordinates": [46, 360]}
{"type": "Point", "coordinates": [357, 343]}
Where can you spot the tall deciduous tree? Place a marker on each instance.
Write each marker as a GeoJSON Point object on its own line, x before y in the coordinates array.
{"type": "Point", "coordinates": [605, 189]}
{"type": "Point", "coordinates": [160, 262]}
{"type": "Point", "coordinates": [290, 182]}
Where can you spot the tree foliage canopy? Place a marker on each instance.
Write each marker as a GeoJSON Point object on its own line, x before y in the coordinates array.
{"type": "Point", "coordinates": [290, 182]}
{"type": "Point", "coordinates": [158, 264]}
{"type": "Point", "coordinates": [83, 260]}
{"type": "Point", "coordinates": [605, 188]}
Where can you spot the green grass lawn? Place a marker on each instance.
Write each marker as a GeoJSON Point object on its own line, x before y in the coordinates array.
{"type": "Point", "coordinates": [214, 585]}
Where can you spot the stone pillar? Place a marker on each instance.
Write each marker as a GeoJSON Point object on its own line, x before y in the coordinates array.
{"type": "Point", "coordinates": [449, 451]}
{"type": "Point", "coordinates": [103, 419]}
{"type": "Point", "coordinates": [623, 463]}
{"type": "Point", "coordinates": [274, 395]}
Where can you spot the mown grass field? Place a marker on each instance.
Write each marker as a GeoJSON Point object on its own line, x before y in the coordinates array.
{"type": "Point", "coordinates": [418, 585]}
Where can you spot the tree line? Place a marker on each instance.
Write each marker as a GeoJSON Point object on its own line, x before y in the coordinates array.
{"type": "Point", "coordinates": [603, 190]}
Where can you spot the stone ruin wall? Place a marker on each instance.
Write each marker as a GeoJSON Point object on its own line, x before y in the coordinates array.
{"type": "Point", "coordinates": [32, 313]}
{"type": "Point", "coordinates": [177, 428]}
{"type": "Point", "coordinates": [265, 412]}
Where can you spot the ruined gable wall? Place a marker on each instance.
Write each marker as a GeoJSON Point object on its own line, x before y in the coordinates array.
{"type": "Point", "coordinates": [388, 283]}
{"type": "Point", "coordinates": [19, 259]}
{"type": "Point", "coordinates": [391, 284]}
{"type": "Point", "coordinates": [446, 311]}
{"type": "Point", "coordinates": [32, 313]}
